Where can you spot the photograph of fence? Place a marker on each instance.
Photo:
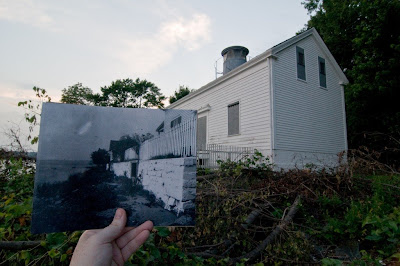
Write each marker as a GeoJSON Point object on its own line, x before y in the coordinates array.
{"type": "Point", "coordinates": [179, 141]}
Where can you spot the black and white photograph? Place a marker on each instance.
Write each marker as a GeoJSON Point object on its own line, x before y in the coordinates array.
{"type": "Point", "coordinates": [92, 160]}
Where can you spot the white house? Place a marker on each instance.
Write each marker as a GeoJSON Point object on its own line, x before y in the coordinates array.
{"type": "Point", "coordinates": [287, 102]}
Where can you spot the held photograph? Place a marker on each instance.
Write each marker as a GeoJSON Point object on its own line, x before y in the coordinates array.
{"type": "Point", "coordinates": [93, 160]}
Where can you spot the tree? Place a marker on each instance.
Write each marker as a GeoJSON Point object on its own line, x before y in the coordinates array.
{"type": "Point", "coordinates": [363, 38]}
{"type": "Point", "coordinates": [100, 157]}
{"type": "Point", "coordinates": [121, 93]}
{"type": "Point", "coordinates": [131, 93]}
{"type": "Point", "coordinates": [77, 94]}
{"type": "Point", "coordinates": [180, 93]}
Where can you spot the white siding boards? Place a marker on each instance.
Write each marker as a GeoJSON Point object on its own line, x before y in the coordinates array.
{"type": "Point", "coordinates": [309, 116]}
{"type": "Point", "coordinates": [287, 102]}
{"type": "Point", "coordinates": [241, 97]}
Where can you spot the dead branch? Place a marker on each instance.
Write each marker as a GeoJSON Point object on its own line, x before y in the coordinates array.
{"type": "Point", "coordinates": [228, 242]}
{"type": "Point", "coordinates": [269, 240]}
{"type": "Point", "coordinates": [271, 237]}
{"type": "Point", "coordinates": [203, 177]}
{"type": "Point", "coordinates": [18, 245]}
{"type": "Point", "coordinates": [206, 246]}
{"type": "Point", "coordinates": [250, 219]}
{"type": "Point", "coordinates": [205, 255]}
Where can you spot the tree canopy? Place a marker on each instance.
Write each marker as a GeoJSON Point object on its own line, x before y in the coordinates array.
{"type": "Point", "coordinates": [100, 157]}
{"type": "Point", "coordinates": [364, 39]}
{"type": "Point", "coordinates": [77, 94]}
{"type": "Point", "coordinates": [180, 93]}
{"type": "Point", "coordinates": [121, 93]}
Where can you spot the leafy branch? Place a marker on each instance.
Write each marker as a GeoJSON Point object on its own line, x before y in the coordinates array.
{"type": "Point", "coordinates": [33, 110]}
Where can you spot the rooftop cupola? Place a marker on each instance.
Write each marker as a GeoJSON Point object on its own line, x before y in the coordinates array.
{"type": "Point", "coordinates": [234, 56]}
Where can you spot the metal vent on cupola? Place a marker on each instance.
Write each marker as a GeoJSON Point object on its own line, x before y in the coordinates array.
{"type": "Point", "coordinates": [234, 56]}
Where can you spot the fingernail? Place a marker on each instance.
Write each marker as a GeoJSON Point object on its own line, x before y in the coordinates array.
{"type": "Point", "coordinates": [118, 214]}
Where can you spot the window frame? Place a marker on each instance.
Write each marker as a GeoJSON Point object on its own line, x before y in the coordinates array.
{"type": "Point", "coordinates": [322, 76]}
{"type": "Point", "coordinates": [301, 64]}
{"type": "Point", "coordinates": [160, 128]}
{"type": "Point", "coordinates": [176, 122]}
{"type": "Point", "coordinates": [202, 116]}
{"type": "Point", "coordinates": [238, 119]}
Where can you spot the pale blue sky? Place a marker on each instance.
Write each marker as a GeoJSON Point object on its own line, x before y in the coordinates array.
{"type": "Point", "coordinates": [55, 44]}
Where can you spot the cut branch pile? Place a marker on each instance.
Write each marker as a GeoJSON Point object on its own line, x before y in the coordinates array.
{"type": "Point", "coordinates": [240, 216]}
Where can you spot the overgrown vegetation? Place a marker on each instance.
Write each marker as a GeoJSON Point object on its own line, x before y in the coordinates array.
{"type": "Point", "coordinates": [360, 36]}
{"type": "Point", "coordinates": [348, 216]}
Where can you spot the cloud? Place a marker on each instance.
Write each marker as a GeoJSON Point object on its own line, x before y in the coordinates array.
{"type": "Point", "coordinates": [145, 55]}
{"type": "Point", "coordinates": [26, 12]}
{"type": "Point", "coordinates": [191, 34]}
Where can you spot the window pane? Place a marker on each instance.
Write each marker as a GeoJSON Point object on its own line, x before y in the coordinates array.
{"type": "Point", "coordinates": [301, 59]}
{"type": "Point", "coordinates": [322, 68]}
{"type": "Point", "coordinates": [322, 72]}
{"type": "Point", "coordinates": [176, 122]}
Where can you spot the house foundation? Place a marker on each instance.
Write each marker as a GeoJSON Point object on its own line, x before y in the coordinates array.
{"type": "Point", "coordinates": [172, 181]}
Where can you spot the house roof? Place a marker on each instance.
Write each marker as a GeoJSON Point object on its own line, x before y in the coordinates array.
{"type": "Point", "coordinates": [272, 52]}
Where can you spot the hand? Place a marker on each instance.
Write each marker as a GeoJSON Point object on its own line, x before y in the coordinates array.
{"type": "Point", "coordinates": [112, 245]}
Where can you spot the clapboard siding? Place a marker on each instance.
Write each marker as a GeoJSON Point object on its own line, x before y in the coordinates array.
{"type": "Point", "coordinates": [251, 88]}
{"type": "Point", "coordinates": [307, 118]}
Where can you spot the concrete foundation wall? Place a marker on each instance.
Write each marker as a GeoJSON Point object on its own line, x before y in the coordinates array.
{"type": "Point", "coordinates": [173, 181]}
{"type": "Point", "coordinates": [301, 160]}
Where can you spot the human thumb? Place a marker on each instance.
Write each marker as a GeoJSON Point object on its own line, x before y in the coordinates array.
{"type": "Point", "coordinates": [113, 231]}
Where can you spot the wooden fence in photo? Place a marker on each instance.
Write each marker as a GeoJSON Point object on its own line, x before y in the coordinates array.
{"type": "Point", "coordinates": [180, 141]}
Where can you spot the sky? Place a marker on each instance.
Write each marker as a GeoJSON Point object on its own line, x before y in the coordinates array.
{"type": "Point", "coordinates": [56, 44]}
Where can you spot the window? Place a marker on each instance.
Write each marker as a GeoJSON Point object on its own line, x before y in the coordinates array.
{"type": "Point", "coordinates": [301, 63]}
{"type": "Point", "coordinates": [176, 121]}
{"type": "Point", "coordinates": [233, 119]}
{"type": "Point", "coordinates": [160, 128]}
{"type": "Point", "coordinates": [201, 132]}
{"type": "Point", "coordinates": [322, 72]}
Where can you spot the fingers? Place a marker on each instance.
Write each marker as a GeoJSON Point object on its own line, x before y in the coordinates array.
{"type": "Point", "coordinates": [132, 233]}
{"type": "Point", "coordinates": [134, 244]}
{"type": "Point", "coordinates": [114, 230]}
{"type": "Point", "coordinates": [117, 257]}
